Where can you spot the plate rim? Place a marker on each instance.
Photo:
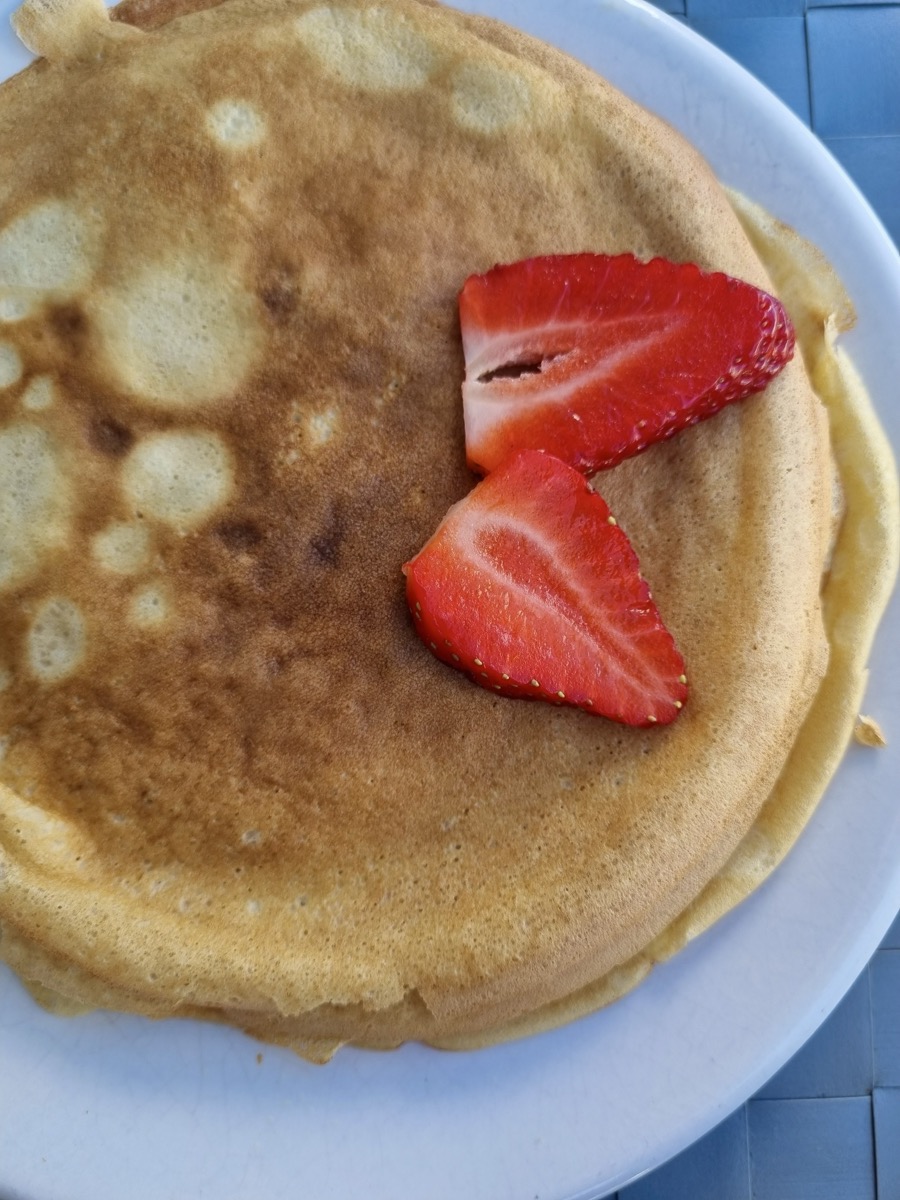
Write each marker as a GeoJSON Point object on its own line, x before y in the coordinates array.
{"type": "Point", "coordinates": [856, 953]}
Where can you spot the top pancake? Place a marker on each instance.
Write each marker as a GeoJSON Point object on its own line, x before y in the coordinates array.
{"type": "Point", "coordinates": [230, 252]}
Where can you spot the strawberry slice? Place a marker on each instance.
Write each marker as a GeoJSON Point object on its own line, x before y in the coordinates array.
{"type": "Point", "coordinates": [593, 358]}
{"type": "Point", "coordinates": [531, 587]}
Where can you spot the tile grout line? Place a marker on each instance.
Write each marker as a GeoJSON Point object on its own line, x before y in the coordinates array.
{"type": "Point", "coordinates": [874, 1141]}
{"type": "Point", "coordinates": [871, 1026]}
{"type": "Point", "coordinates": [747, 1144]}
{"type": "Point", "coordinates": [809, 74]}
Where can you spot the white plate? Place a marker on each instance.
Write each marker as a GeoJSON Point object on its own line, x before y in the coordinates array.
{"type": "Point", "coordinates": [107, 1106]}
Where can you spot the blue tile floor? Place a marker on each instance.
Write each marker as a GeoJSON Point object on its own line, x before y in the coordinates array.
{"type": "Point", "coordinates": [827, 1126]}
{"type": "Point", "coordinates": [771, 48]}
{"type": "Point", "coordinates": [835, 63]}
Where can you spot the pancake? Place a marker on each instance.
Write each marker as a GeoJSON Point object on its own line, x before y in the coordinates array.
{"type": "Point", "coordinates": [234, 784]}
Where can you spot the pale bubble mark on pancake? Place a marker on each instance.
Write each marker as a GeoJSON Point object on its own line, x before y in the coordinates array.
{"type": "Point", "coordinates": [322, 426]}
{"type": "Point", "coordinates": [235, 124]}
{"type": "Point", "coordinates": [179, 478]}
{"type": "Point", "coordinates": [371, 48]}
{"type": "Point", "coordinates": [311, 432]}
{"type": "Point", "coordinates": [56, 640]}
{"type": "Point", "coordinates": [51, 248]}
{"type": "Point", "coordinates": [33, 500]}
{"type": "Point", "coordinates": [488, 100]}
{"type": "Point", "coordinates": [10, 365]}
{"type": "Point", "coordinates": [39, 394]}
{"type": "Point", "coordinates": [149, 608]}
{"type": "Point", "coordinates": [181, 333]}
{"type": "Point", "coordinates": [122, 547]}
{"type": "Point", "coordinates": [14, 306]}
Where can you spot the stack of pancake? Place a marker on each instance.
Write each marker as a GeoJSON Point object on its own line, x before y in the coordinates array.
{"type": "Point", "coordinates": [233, 782]}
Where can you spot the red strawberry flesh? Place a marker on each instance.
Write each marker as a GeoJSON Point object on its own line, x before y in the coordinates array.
{"type": "Point", "coordinates": [593, 358]}
{"type": "Point", "coordinates": [530, 587]}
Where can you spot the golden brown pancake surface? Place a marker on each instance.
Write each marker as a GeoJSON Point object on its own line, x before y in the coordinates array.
{"type": "Point", "coordinates": [233, 778]}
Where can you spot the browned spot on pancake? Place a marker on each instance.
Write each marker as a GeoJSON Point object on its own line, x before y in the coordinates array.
{"type": "Point", "coordinates": [239, 536]}
{"type": "Point", "coordinates": [279, 294]}
{"type": "Point", "coordinates": [70, 327]}
{"type": "Point", "coordinates": [326, 544]}
{"type": "Point", "coordinates": [110, 437]}
{"type": "Point", "coordinates": [150, 14]}
{"type": "Point", "coordinates": [68, 321]}
{"type": "Point", "coordinates": [327, 547]}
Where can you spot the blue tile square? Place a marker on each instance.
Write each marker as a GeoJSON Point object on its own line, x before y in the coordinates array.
{"type": "Point", "coordinates": [884, 973]}
{"type": "Point", "coordinates": [745, 8]}
{"type": "Point", "coordinates": [853, 57]}
{"type": "Point", "coordinates": [812, 1149]}
{"type": "Point", "coordinates": [837, 1059]}
{"type": "Point", "coordinates": [892, 937]}
{"type": "Point", "coordinates": [771, 48]}
{"type": "Point", "coordinates": [873, 163]}
{"type": "Point", "coordinates": [886, 1112]}
{"type": "Point", "coordinates": [714, 1168]}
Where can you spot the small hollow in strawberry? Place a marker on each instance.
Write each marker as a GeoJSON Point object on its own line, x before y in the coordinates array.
{"type": "Point", "coordinates": [531, 588]}
{"type": "Point", "coordinates": [594, 357]}
{"type": "Point", "coordinates": [516, 369]}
